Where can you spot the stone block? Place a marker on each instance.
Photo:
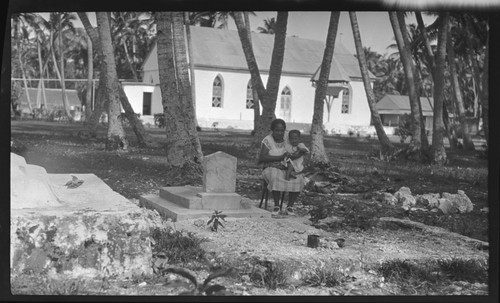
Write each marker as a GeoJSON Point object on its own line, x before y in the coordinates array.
{"type": "Point", "coordinates": [95, 231]}
{"type": "Point", "coordinates": [185, 196]}
{"type": "Point", "coordinates": [219, 173]}
{"type": "Point", "coordinates": [220, 201]}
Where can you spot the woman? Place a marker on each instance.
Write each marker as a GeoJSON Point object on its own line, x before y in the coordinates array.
{"type": "Point", "coordinates": [272, 152]}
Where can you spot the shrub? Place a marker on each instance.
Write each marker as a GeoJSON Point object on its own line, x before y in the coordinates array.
{"type": "Point", "coordinates": [270, 274]}
{"type": "Point", "coordinates": [159, 120]}
{"type": "Point", "coordinates": [177, 246]}
{"type": "Point", "coordinates": [323, 275]}
{"type": "Point", "coordinates": [404, 128]}
{"type": "Point", "coordinates": [465, 270]}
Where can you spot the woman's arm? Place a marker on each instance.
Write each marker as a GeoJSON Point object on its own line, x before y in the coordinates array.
{"type": "Point", "coordinates": [265, 157]}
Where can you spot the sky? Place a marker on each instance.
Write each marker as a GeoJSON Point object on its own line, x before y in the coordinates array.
{"type": "Point", "coordinates": [375, 28]}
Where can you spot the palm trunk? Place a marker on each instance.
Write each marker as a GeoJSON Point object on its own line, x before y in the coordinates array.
{"type": "Point", "coordinates": [42, 86]}
{"type": "Point", "coordinates": [484, 99]}
{"type": "Point", "coordinates": [183, 145]}
{"type": "Point", "coordinates": [116, 138]}
{"type": "Point", "coordinates": [90, 78]}
{"type": "Point", "coordinates": [401, 35]}
{"type": "Point", "coordinates": [257, 84]}
{"type": "Point", "coordinates": [385, 143]}
{"type": "Point", "coordinates": [191, 64]}
{"type": "Point", "coordinates": [143, 138]}
{"type": "Point", "coordinates": [273, 81]}
{"type": "Point", "coordinates": [28, 99]}
{"type": "Point", "coordinates": [63, 84]}
{"type": "Point", "coordinates": [318, 153]}
{"type": "Point", "coordinates": [438, 153]}
{"type": "Point", "coordinates": [468, 144]}
{"type": "Point", "coordinates": [255, 95]}
{"type": "Point", "coordinates": [129, 62]}
{"type": "Point", "coordinates": [428, 50]}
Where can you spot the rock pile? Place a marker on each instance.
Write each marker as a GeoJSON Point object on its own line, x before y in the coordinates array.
{"type": "Point", "coordinates": [446, 202]}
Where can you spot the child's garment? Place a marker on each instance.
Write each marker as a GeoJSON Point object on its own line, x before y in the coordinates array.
{"type": "Point", "coordinates": [297, 164]}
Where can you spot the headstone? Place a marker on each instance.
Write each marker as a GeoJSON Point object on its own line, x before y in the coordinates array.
{"type": "Point", "coordinates": [219, 173]}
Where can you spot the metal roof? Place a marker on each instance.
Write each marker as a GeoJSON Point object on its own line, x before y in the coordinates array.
{"type": "Point", "coordinates": [400, 104]}
{"type": "Point", "coordinates": [54, 98]}
{"type": "Point", "coordinates": [219, 48]}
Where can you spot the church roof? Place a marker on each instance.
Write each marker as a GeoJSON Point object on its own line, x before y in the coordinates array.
{"type": "Point", "coordinates": [219, 48]}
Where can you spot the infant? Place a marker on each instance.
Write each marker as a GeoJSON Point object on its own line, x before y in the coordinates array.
{"type": "Point", "coordinates": [294, 167]}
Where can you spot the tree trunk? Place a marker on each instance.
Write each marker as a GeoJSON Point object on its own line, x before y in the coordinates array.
{"type": "Point", "coordinates": [255, 95]}
{"type": "Point", "coordinates": [116, 139]}
{"type": "Point", "coordinates": [385, 143]}
{"type": "Point", "coordinates": [143, 138]}
{"type": "Point", "coordinates": [267, 109]}
{"type": "Point", "coordinates": [21, 65]}
{"type": "Point", "coordinates": [438, 153]}
{"type": "Point", "coordinates": [318, 153]}
{"type": "Point", "coordinates": [42, 86]}
{"type": "Point", "coordinates": [183, 145]}
{"type": "Point", "coordinates": [63, 84]}
{"type": "Point", "coordinates": [468, 144]}
{"type": "Point", "coordinates": [273, 81]}
{"type": "Point", "coordinates": [484, 99]}
{"type": "Point", "coordinates": [401, 35]}
{"type": "Point", "coordinates": [90, 79]}
{"type": "Point", "coordinates": [191, 64]}
{"type": "Point", "coordinates": [474, 64]}
{"type": "Point", "coordinates": [427, 49]}
{"type": "Point", "coordinates": [129, 62]}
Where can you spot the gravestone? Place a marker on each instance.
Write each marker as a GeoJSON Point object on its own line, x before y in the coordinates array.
{"type": "Point", "coordinates": [219, 173]}
{"type": "Point", "coordinates": [217, 193]}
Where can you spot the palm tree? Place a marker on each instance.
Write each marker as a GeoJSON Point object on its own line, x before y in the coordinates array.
{"type": "Point", "coordinates": [268, 94]}
{"type": "Point", "coordinates": [401, 36]}
{"type": "Point", "coordinates": [20, 25]}
{"type": "Point", "coordinates": [116, 138]}
{"type": "Point", "coordinates": [269, 26]}
{"type": "Point", "coordinates": [191, 63]}
{"type": "Point", "coordinates": [183, 144]}
{"type": "Point", "coordinates": [438, 153]}
{"type": "Point", "coordinates": [60, 28]}
{"type": "Point", "coordinates": [485, 101]}
{"type": "Point", "coordinates": [385, 143]}
{"type": "Point", "coordinates": [318, 153]}
{"type": "Point", "coordinates": [143, 138]}
{"type": "Point", "coordinates": [467, 140]}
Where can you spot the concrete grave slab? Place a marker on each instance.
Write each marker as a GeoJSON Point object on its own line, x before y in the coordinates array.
{"type": "Point", "coordinates": [217, 193]}
{"type": "Point", "coordinates": [90, 232]}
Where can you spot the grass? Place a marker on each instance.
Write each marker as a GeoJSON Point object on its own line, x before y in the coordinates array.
{"type": "Point", "coordinates": [143, 170]}
{"type": "Point", "coordinates": [177, 246]}
{"type": "Point", "coordinates": [270, 274]}
{"type": "Point", "coordinates": [427, 276]}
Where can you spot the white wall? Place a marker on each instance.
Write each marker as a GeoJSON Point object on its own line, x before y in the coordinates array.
{"type": "Point", "coordinates": [359, 113]}
{"type": "Point", "coordinates": [134, 94]}
{"type": "Point", "coordinates": [234, 113]}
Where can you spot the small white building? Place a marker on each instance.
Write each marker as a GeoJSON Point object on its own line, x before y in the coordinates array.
{"type": "Point", "coordinates": [223, 85]}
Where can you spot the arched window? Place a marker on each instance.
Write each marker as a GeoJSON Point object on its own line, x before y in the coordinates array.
{"type": "Point", "coordinates": [217, 92]}
{"type": "Point", "coordinates": [347, 100]}
{"type": "Point", "coordinates": [249, 101]}
{"type": "Point", "coordinates": [286, 103]}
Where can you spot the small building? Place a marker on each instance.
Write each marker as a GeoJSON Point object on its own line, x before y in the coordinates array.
{"type": "Point", "coordinates": [392, 107]}
{"type": "Point", "coordinates": [223, 85]}
{"type": "Point", "coordinates": [54, 101]}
